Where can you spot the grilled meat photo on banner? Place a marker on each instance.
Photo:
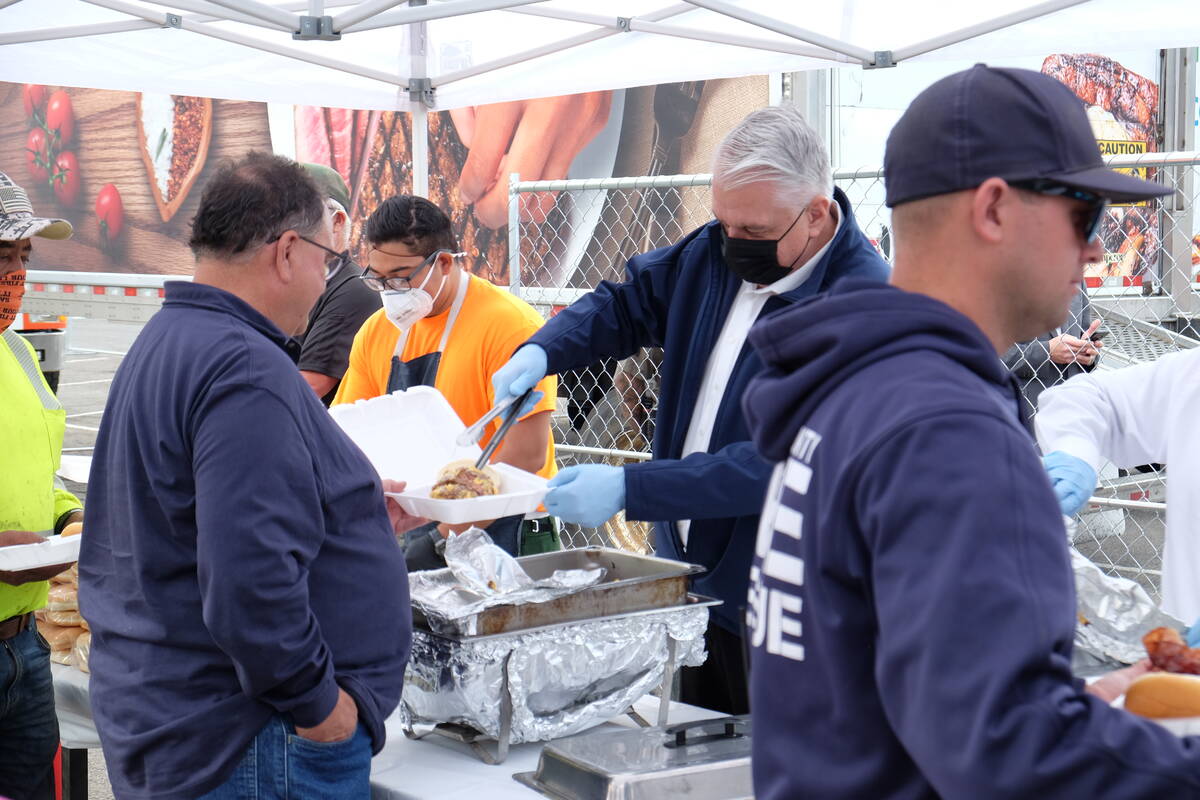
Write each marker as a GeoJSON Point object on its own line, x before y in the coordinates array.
{"type": "Point", "coordinates": [1123, 109]}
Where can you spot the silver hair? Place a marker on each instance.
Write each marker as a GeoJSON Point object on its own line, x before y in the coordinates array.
{"type": "Point", "coordinates": [775, 144]}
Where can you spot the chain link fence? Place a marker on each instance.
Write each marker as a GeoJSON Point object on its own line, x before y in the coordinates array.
{"type": "Point", "coordinates": [568, 236]}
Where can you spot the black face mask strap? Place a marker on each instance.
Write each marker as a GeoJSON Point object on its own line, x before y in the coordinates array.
{"type": "Point", "coordinates": [803, 211]}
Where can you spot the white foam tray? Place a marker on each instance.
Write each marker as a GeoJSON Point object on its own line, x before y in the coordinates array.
{"type": "Point", "coordinates": [409, 436]}
{"type": "Point", "coordinates": [55, 550]}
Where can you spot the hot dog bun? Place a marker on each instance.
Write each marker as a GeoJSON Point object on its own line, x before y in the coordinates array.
{"type": "Point", "coordinates": [1161, 695]}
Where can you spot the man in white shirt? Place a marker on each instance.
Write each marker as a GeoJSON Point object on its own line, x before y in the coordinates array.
{"type": "Point", "coordinates": [1144, 414]}
{"type": "Point", "coordinates": [782, 234]}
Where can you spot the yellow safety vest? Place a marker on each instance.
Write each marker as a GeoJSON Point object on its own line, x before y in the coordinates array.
{"type": "Point", "coordinates": [31, 437]}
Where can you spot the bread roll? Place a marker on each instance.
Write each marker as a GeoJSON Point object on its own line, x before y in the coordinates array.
{"type": "Point", "coordinates": [74, 529]}
{"type": "Point", "coordinates": [1163, 694]}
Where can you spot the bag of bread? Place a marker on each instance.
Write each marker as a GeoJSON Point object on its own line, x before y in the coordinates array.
{"type": "Point", "coordinates": [61, 657]}
{"type": "Point", "coordinates": [59, 637]}
{"type": "Point", "coordinates": [67, 618]}
{"type": "Point", "coordinates": [81, 651]}
{"type": "Point", "coordinates": [68, 577]}
{"type": "Point", "coordinates": [63, 597]}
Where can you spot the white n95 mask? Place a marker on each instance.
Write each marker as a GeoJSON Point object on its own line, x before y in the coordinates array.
{"type": "Point", "coordinates": [406, 309]}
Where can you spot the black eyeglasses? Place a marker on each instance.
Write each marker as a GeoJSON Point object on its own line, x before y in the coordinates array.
{"type": "Point", "coordinates": [379, 283]}
{"type": "Point", "coordinates": [333, 259]}
{"type": "Point", "coordinates": [1089, 225]}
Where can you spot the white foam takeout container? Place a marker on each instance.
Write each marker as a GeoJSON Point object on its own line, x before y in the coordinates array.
{"type": "Point", "coordinates": [409, 436]}
{"type": "Point", "coordinates": [55, 550]}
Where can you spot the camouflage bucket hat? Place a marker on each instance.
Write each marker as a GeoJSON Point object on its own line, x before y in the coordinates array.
{"type": "Point", "coordinates": [17, 220]}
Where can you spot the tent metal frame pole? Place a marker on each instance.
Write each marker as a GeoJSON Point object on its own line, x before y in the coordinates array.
{"type": "Point", "coordinates": [602, 20]}
{"type": "Point", "coordinates": [262, 11]}
{"type": "Point", "coordinates": [160, 19]}
{"type": "Point", "coordinates": [752, 42]}
{"type": "Point", "coordinates": [363, 11]}
{"type": "Point", "coordinates": [206, 13]}
{"type": "Point", "coordinates": [554, 47]}
{"type": "Point", "coordinates": [982, 28]}
{"type": "Point", "coordinates": [405, 16]}
{"type": "Point", "coordinates": [787, 29]}
{"type": "Point", "coordinates": [1177, 89]}
{"type": "Point", "coordinates": [526, 55]}
{"type": "Point", "coordinates": [641, 25]}
{"type": "Point", "coordinates": [309, 58]}
{"type": "Point", "coordinates": [418, 46]}
{"type": "Point", "coordinates": [75, 31]}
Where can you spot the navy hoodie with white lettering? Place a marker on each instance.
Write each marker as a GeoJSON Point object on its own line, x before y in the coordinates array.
{"type": "Point", "coordinates": [912, 604]}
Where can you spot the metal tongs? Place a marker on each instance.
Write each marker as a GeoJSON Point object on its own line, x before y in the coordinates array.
{"type": "Point", "coordinates": [511, 407]}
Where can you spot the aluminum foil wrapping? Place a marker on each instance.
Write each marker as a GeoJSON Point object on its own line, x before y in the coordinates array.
{"type": "Point", "coordinates": [1115, 613]}
{"type": "Point", "coordinates": [562, 680]}
{"type": "Point", "coordinates": [480, 575]}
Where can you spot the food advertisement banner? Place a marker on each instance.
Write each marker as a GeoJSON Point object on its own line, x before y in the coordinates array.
{"type": "Point", "coordinates": [127, 169]}
{"type": "Point", "coordinates": [1118, 90]}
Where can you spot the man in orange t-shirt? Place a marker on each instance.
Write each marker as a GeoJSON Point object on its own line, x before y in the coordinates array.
{"type": "Point", "coordinates": [443, 327]}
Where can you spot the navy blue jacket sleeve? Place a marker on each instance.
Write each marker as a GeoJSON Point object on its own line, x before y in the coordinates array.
{"type": "Point", "coordinates": [260, 523]}
{"type": "Point", "coordinates": [975, 603]}
{"type": "Point", "coordinates": [615, 320]}
{"type": "Point", "coordinates": [734, 480]}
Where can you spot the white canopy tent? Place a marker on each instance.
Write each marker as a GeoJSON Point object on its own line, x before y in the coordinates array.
{"type": "Point", "coordinates": [419, 54]}
{"type": "Point", "coordinates": [484, 51]}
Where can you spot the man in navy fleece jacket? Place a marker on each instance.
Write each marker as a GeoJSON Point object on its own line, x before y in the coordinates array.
{"type": "Point", "coordinates": [247, 596]}
{"type": "Point", "coordinates": [912, 606]}
{"type": "Point", "coordinates": [782, 233]}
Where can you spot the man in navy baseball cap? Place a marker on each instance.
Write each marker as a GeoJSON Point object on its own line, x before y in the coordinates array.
{"type": "Point", "coordinates": [911, 606]}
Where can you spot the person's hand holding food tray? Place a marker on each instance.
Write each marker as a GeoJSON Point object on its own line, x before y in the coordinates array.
{"type": "Point", "coordinates": [413, 436]}
{"type": "Point", "coordinates": [27, 556]}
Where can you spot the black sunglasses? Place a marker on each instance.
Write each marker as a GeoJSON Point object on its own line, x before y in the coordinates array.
{"type": "Point", "coordinates": [1089, 226]}
{"type": "Point", "coordinates": [379, 283]}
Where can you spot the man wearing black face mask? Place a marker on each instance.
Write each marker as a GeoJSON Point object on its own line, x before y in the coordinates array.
{"type": "Point", "coordinates": [781, 233]}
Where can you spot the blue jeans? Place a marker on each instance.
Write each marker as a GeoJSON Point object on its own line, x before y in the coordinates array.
{"type": "Point", "coordinates": [28, 727]}
{"type": "Point", "coordinates": [279, 765]}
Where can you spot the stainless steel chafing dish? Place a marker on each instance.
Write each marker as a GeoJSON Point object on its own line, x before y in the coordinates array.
{"type": "Point", "coordinates": [631, 583]}
{"type": "Point", "coordinates": [705, 760]}
{"type": "Point", "coordinates": [537, 671]}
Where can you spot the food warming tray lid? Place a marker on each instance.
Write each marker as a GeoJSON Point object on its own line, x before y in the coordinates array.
{"type": "Point", "coordinates": [704, 760]}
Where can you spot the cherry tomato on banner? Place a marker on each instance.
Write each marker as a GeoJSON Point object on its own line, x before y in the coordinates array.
{"type": "Point", "coordinates": [33, 97]}
{"type": "Point", "coordinates": [37, 156]}
{"type": "Point", "coordinates": [110, 211]}
{"type": "Point", "coordinates": [60, 118]}
{"type": "Point", "coordinates": [65, 178]}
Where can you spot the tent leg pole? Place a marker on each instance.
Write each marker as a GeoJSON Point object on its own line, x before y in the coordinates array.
{"type": "Point", "coordinates": [420, 151]}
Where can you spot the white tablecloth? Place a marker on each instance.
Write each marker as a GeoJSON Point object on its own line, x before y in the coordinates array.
{"type": "Point", "coordinates": [436, 768]}
{"type": "Point", "coordinates": [75, 727]}
{"type": "Point", "coordinates": [433, 768]}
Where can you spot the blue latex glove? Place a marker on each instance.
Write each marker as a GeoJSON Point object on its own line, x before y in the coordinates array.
{"type": "Point", "coordinates": [523, 371]}
{"type": "Point", "coordinates": [588, 494]}
{"type": "Point", "coordinates": [1073, 480]}
{"type": "Point", "coordinates": [1192, 634]}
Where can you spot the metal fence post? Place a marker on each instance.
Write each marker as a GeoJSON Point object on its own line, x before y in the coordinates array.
{"type": "Point", "coordinates": [514, 234]}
